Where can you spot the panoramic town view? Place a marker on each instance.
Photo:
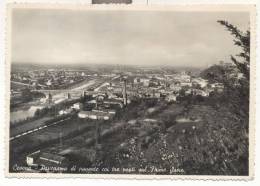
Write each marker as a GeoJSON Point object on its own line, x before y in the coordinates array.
{"type": "Point", "coordinates": [174, 116]}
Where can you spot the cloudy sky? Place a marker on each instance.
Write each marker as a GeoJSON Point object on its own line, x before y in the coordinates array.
{"type": "Point", "coordinates": [123, 37]}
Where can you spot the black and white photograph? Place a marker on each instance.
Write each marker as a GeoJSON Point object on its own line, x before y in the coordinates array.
{"type": "Point", "coordinates": [145, 91]}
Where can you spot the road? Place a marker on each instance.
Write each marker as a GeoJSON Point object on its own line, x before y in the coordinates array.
{"type": "Point", "coordinates": [37, 129]}
{"type": "Point", "coordinates": [22, 127]}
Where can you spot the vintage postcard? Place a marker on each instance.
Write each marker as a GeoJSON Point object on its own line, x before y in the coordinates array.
{"type": "Point", "coordinates": [124, 91]}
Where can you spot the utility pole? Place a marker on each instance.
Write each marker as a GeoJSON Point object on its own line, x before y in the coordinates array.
{"type": "Point", "coordinates": [50, 98]}
{"type": "Point", "coordinates": [60, 138]}
{"type": "Point", "coordinates": [98, 145]}
{"type": "Point", "coordinates": [124, 93]}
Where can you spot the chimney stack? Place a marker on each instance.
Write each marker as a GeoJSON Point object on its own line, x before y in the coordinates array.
{"type": "Point", "coordinates": [50, 98]}
{"type": "Point", "coordinates": [124, 93]}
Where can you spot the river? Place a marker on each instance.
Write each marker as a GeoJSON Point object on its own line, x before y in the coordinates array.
{"type": "Point", "coordinates": [29, 111]}
{"type": "Point", "coordinates": [23, 113]}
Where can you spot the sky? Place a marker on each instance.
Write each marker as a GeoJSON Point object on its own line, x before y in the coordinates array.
{"type": "Point", "coordinates": [192, 39]}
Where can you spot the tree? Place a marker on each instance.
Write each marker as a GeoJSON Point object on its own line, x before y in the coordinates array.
{"type": "Point", "coordinates": [37, 113]}
{"type": "Point", "coordinates": [242, 39]}
{"type": "Point", "coordinates": [238, 96]}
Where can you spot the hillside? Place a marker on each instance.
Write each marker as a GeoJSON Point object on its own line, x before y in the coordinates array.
{"type": "Point", "coordinates": [214, 73]}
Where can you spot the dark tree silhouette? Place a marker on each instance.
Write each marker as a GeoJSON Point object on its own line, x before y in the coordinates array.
{"type": "Point", "coordinates": [242, 39]}
{"type": "Point", "coordinates": [239, 96]}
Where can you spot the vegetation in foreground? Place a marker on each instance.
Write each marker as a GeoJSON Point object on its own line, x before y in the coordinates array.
{"type": "Point", "coordinates": [217, 145]}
